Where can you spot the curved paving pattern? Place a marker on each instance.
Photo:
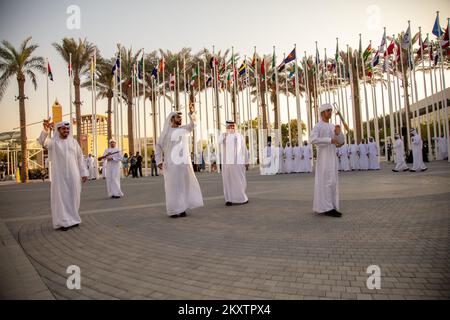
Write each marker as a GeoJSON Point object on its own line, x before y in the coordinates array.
{"type": "Point", "coordinates": [272, 248]}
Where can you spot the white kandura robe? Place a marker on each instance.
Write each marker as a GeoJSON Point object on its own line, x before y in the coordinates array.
{"type": "Point", "coordinates": [442, 151]}
{"type": "Point", "coordinates": [289, 161]}
{"type": "Point", "coordinates": [374, 163]}
{"type": "Point", "coordinates": [234, 158]}
{"type": "Point", "coordinates": [281, 160]}
{"type": "Point", "coordinates": [112, 172]}
{"type": "Point", "coordinates": [363, 156]}
{"type": "Point", "coordinates": [68, 167]}
{"type": "Point", "coordinates": [345, 162]}
{"type": "Point", "coordinates": [399, 152]}
{"type": "Point", "coordinates": [269, 163]}
{"type": "Point", "coordinates": [90, 163]}
{"type": "Point", "coordinates": [326, 188]}
{"type": "Point", "coordinates": [416, 146]}
{"type": "Point", "coordinates": [353, 156]}
{"type": "Point", "coordinates": [180, 183]}
{"type": "Point", "coordinates": [297, 159]}
{"type": "Point", "coordinates": [307, 154]}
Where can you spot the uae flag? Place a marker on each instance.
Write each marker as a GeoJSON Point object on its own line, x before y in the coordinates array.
{"type": "Point", "coordinates": [49, 72]}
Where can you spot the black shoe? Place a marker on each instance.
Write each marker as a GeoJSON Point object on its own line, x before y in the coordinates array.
{"type": "Point", "coordinates": [406, 170]}
{"type": "Point", "coordinates": [328, 213]}
{"type": "Point", "coordinates": [228, 204]}
{"type": "Point", "coordinates": [394, 170]}
{"type": "Point", "coordinates": [410, 170]}
{"type": "Point", "coordinates": [64, 228]}
{"type": "Point", "coordinates": [75, 225]}
{"type": "Point", "coordinates": [424, 170]}
{"type": "Point", "coordinates": [182, 215]}
{"type": "Point", "coordinates": [174, 216]}
{"type": "Point", "coordinates": [336, 214]}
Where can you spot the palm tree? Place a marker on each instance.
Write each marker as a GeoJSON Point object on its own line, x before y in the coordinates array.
{"type": "Point", "coordinates": [22, 64]}
{"type": "Point", "coordinates": [81, 53]}
{"type": "Point", "coordinates": [172, 59]}
{"type": "Point", "coordinates": [271, 88]}
{"type": "Point", "coordinates": [127, 64]}
{"type": "Point", "coordinates": [105, 86]}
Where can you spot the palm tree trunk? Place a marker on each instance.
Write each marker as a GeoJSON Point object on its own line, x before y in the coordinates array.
{"type": "Point", "coordinates": [76, 83]}
{"type": "Point", "coordinates": [356, 102]}
{"type": "Point", "coordinates": [233, 104]}
{"type": "Point", "coordinates": [130, 122]}
{"type": "Point", "coordinates": [23, 132]}
{"type": "Point", "coordinates": [263, 106]}
{"type": "Point", "coordinates": [109, 96]}
{"type": "Point", "coordinates": [275, 110]}
{"type": "Point", "coordinates": [153, 100]}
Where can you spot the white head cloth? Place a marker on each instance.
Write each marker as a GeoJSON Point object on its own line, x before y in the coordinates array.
{"type": "Point", "coordinates": [325, 106]}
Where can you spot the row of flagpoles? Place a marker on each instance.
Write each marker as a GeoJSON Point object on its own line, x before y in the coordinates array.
{"type": "Point", "coordinates": [331, 80]}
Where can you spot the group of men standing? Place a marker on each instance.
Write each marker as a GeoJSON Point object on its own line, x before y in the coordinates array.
{"type": "Point", "coordinates": [278, 160]}
{"type": "Point", "coordinates": [362, 157]}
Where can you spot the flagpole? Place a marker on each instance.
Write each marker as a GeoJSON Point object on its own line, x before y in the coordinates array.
{"type": "Point", "coordinates": [308, 95]}
{"type": "Point", "coordinates": [260, 133]}
{"type": "Point", "coordinates": [163, 70]}
{"type": "Point", "coordinates": [120, 101]}
{"type": "Point", "coordinates": [218, 157]}
{"type": "Point", "coordinates": [200, 107]}
{"type": "Point", "coordinates": [266, 98]}
{"type": "Point", "coordinates": [384, 117]}
{"type": "Point", "coordinates": [352, 90]}
{"type": "Point", "coordinates": [363, 69]}
{"type": "Point", "coordinates": [145, 114]}
{"type": "Point", "coordinates": [398, 112]}
{"type": "Point", "coordinates": [208, 151]}
{"type": "Point", "coordinates": [297, 100]}
{"type": "Point", "coordinates": [317, 84]}
{"type": "Point", "coordinates": [413, 78]}
{"type": "Point", "coordinates": [184, 84]}
{"type": "Point", "coordinates": [277, 93]}
{"type": "Point", "coordinates": [406, 100]}
{"type": "Point", "coordinates": [249, 113]}
{"type": "Point", "coordinates": [443, 86]}
{"type": "Point", "coordinates": [70, 88]}
{"type": "Point", "coordinates": [287, 104]}
{"type": "Point", "coordinates": [427, 115]}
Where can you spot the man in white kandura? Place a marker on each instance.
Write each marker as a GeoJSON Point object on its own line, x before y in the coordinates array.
{"type": "Point", "coordinates": [326, 137]}
{"type": "Point", "coordinates": [68, 170]}
{"type": "Point", "coordinates": [269, 163]}
{"type": "Point", "coordinates": [281, 164]}
{"type": "Point", "coordinates": [307, 155]}
{"type": "Point", "coordinates": [442, 152]}
{"type": "Point", "coordinates": [374, 164]}
{"type": "Point", "coordinates": [345, 162]}
{"type": "Point", "coordinates": [416, 146]}
{"type": "Point", "coordinates": [363, 156]}
{"type": "Point", "coordinates": [113, 158]}
{"type": "Point", "coordinates": [173, 159]}
{"type": "Point", "coordinates": [399, 153]}
{"type": "Point", "coordinates": [354, 156]}
{"type": "Point", "coordinates": [297, 150]}
{"type": "Point", "coordinates": [90, 164]}
{"type": "Point", "coordinates": [289, 158]}
{"type": "Point", "coordinates": [235, 159]}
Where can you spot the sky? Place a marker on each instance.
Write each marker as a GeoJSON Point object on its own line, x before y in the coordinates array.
{"type": "Point", "coordinates": [197, 24]}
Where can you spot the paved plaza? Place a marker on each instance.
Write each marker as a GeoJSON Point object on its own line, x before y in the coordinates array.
{"type": "Point", "coordinates": [275, 247]}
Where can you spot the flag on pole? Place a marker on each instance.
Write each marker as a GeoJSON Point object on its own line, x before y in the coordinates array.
{"type": "Point", "coordinates": [383, 42]}
{"type": "Point", "coordinates": [162, 65]}
{"type": "Point", "coordinates": [367, 52]}
{"type": "Point", "coordinates": [291, 57]}
{"type": "Point", "coordinates": [422, 46]}
{"type": "Point", "coordinates": [172, 82]}
{"type": "Point", "coordinates": [406, 38]}
{"type": "Point", "coordinates": [437, 30]}
{"type": "Point", "coordinates": [243, 68]}
{"type": "Point", "coordinates": [376, 59]}
{"type": "Point", "coordinates": [116, 65]}
{"type": "Point", "coordinates": [155, 72]}
{"type": "Point", "coordinates": [263, 69]}
{"type": "Point", "coordinates": [254, 61]}
{"type": "Point", "coordinates": [195, 75]}
{"type": "Point", "coordinates": [140, 67]}
{"type": "Point", "coordinates": [49, 71]}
